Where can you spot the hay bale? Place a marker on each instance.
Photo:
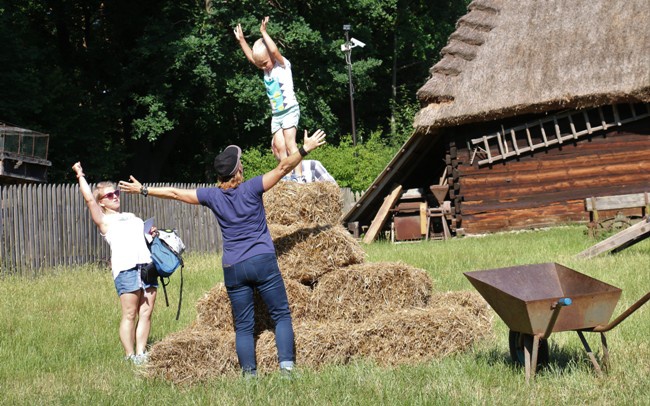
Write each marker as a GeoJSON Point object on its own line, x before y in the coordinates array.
{"type": "Point", "coordinates": [193, 355]}
{"type": "Point", "coordinates": [357, 292]}
{"type": "Point", "coordinates": [418, 335]}
{"type": "Point", "coordinates": [317, 345]}
{"type": "Point", "coordinates": [470, 300]}
{"type": "Point", "coordinates": [289, 203]}
{"type": "Point", "coordinates": [451, 325]}
{"type": "Point", "coordinates": [306, 252]}
{"type": "Point", "coordinates": [214, 310]}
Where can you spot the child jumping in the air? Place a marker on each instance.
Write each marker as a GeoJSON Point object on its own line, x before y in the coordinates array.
{"type": "Point", "coordinates": [279, 88]}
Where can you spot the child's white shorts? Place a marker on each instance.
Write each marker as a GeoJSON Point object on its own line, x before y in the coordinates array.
{"type": "Point", "coordinates": [285, 119]}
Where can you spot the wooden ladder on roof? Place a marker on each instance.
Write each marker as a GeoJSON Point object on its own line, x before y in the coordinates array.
{"type": "Point", "coordinates": [555, 129]}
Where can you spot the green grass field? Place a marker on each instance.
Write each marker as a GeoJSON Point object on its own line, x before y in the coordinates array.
{"type": "Point", "coordinates": [59, 344]}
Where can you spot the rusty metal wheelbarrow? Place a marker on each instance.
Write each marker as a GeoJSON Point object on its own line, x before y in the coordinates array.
{"type": "Point", "coordinates": [536, 300]}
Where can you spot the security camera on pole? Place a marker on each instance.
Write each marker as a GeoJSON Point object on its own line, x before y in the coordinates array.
{"type": "Point", "coordinates": [347, 50]}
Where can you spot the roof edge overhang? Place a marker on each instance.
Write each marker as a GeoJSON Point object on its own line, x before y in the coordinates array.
{"type": "Point", "coordinates": [429, 118]}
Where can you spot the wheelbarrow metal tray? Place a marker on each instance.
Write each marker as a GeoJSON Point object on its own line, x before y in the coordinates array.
{"type": "Point", "coordinates": [524, 297]}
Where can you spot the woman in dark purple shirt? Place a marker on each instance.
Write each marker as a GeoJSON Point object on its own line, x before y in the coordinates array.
{"type": "Point", "coordinates": [249, 259]}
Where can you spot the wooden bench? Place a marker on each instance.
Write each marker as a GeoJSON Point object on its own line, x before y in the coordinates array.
{"type": "Point", "coordinates": [594, 205]}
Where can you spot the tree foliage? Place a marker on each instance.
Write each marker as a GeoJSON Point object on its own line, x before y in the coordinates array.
{"type": "Point", "coordinates": [157, 88]}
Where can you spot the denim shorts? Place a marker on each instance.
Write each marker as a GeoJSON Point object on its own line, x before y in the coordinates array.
{"type": "Point", "coordinates": [285, 119]}
{"type": "Point", "coordinates": [131, 281]}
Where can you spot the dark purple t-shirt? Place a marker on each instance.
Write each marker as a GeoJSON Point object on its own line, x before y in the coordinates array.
{"type": "Point", "coordinates": [241, 216]}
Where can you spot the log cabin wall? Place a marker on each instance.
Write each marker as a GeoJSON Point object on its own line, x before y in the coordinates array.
{"type": "Point", "coordinates": [548, 187]}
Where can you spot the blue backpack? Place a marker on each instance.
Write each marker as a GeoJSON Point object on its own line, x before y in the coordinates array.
{"type": "Point", "coordinates": [164, 258]}
{"type": "Point", "coordinates": [166, 249]}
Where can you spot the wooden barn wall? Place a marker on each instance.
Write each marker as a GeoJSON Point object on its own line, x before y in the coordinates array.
{"type": "Point", "coordinates": [548, 188]}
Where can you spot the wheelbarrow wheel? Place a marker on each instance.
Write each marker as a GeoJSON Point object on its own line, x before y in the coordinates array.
{"type": "Point", "coordinates": [520, 340]}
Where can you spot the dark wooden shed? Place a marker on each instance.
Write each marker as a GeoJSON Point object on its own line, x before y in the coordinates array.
{"type": "Point", "coordinates": [534, 107]}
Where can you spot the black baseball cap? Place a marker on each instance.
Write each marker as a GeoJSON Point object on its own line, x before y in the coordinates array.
{"type": "Point", "coordinates": [227, 162]}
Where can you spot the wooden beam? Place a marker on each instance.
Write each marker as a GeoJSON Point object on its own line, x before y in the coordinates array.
{"type": "Point", "coordinates": [616, 202]}
{"type": "Point", "coordinates": [424, 224]}
{"type": "Point", "coordinates": [381, 216]}
{"type": "Point", "coordinates": [619, 241]}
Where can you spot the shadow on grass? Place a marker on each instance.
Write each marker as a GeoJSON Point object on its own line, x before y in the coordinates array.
{"type": "Point", "coordinates": [562, 361]}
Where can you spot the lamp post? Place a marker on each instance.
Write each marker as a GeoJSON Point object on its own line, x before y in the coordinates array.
{"type": "Point", "coordinates": [347, 50]}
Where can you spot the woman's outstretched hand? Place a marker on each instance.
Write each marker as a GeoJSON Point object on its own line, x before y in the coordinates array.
{"type": "Point", "coordinates": [316, 140]}
{"type": "Point", "coordinates": [132, 187]}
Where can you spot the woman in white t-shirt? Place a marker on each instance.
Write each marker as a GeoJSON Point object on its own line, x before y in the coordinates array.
{"type": "Point", "coordinates": [129, 256]}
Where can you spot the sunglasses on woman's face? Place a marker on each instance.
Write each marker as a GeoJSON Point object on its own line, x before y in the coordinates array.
{"type": "Point", "coordinates": [111, 195]}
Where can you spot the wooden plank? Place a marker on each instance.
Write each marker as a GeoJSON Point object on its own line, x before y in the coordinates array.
{"type": "Point", "coordinates": [573, 128]}
{"type": "Point", "coordinates": [530, 140]}
{"type": "Point", "coordinates": [423, 218]}
{"type": "Point", "coordinates": [617, 202]}
{"type": "Point", "coordinates": [503, 149]}
{"type": "Point", "coordinates": [442, 178]}
{"type": "Point", "coordinates": [558, 133]}
{"type": "Point", "coordinates": [625, 238]}
{"type": "Point", "coordinates": [514, 141]}
{"type": "Point", "coordinates": [603, 123]}
{"type": "Point", "coordinates": [381, 216]}
{"type": "Point", "coordinates": [617, 116]}
{"type": "Point", "coordinates": [543, 131]}
{"type": "Point", "coordinates": [487, 149]}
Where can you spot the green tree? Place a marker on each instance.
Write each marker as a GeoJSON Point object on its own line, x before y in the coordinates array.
{"type": "Point", "coordinates": [157, 88]}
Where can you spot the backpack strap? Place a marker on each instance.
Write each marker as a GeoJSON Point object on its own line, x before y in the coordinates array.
{"type": "Point", "coordinates": [164, 286]}
{"type": "Point", "coordinates": [180, 294]}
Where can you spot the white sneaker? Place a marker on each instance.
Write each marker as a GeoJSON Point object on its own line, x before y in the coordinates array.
{"type": "Point", "coordinates": [141, 359]}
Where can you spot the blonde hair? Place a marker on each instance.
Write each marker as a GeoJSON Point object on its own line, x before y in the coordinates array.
{"type": "Point", "coordinates": [260, 51]}
{"type": "Point", "coordinates": [98, 190]}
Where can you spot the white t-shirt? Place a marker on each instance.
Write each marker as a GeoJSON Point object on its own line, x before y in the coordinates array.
{"type": "Point", "coordinates": [279, 87]}
{"type": "Point", "coordinates": [125, 235]}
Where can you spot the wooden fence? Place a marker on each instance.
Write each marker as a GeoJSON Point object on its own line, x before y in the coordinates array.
{"type": "Point", "coordinates": [44, 226]}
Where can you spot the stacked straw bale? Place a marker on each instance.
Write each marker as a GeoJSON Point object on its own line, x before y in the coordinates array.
{"type": "Point", "coordinates": [359, 291]}
{"type": "Point", "coordinates": [451, 323]}
{"type": "Point", "coordinates": [342, 308]}
{"type": "Point", "coordinates": [307, 251]}
{"type": "Point", "coordinates": [214, 311]}
{"type": "Point", "coordinates": [289, 203]}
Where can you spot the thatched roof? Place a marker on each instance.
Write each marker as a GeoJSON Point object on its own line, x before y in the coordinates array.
{"type": "Point", "coordinates": [525, 56]}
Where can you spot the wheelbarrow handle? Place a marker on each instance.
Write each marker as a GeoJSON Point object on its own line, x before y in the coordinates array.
{"type": "Point", "coordinates": [557, 306]}
{"type": "Point", "coordinates": [623, 316]}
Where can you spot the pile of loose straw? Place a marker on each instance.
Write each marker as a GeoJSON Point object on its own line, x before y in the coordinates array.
{"type": "Point", "coordinates": [342, 307]}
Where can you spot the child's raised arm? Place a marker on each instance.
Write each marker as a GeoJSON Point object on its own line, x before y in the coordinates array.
{"type": "Point", "coordinates": [270, 45]}
{"type": "Point", "coordinates": [239, 35]}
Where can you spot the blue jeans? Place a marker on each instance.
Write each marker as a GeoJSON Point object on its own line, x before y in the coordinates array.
{"type": "Point", "coordinates": [260, 272]}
